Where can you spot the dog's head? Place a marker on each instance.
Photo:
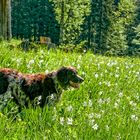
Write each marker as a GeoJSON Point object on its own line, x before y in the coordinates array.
{"type": "Point", "coordinates": [68, 76]}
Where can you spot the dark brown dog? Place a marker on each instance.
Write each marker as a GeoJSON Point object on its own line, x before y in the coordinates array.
{"type": "Point", "coordinates": [27, 87]}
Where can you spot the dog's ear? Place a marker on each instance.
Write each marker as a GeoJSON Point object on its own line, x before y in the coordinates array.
{"type": "Point", "coordinates": [62, 75]}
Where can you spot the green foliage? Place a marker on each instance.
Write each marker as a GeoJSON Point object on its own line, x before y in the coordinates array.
{"type": "Point", "coordinates": [32, 19]}
{"type": "Point", "coordinates": [134, 49]}
{"type": "Point", "coordinates": [123, 16]}
{"type": "Point", "coordinates": [137, 39]}
{"type": "Point", "coordinates": [70, 15]}
{"type": "Point", "coordinates": [106, 106]}
{"type": "Point", "coordinates": [133, 30]}
{"type": "Point", "coordinates": [106, 27]}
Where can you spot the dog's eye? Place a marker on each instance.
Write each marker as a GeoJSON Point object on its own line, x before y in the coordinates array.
{"type": "Point", "coordinates": [73, 73]}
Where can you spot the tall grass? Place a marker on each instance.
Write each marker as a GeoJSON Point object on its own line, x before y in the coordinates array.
{"type": "Point", "coordinates": [106, 106]}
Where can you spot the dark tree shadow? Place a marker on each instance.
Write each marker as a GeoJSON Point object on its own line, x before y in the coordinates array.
{"type": "Point", "coordinates": [131, 32]}
{"type": "Point", "coordinates": [32, 19]}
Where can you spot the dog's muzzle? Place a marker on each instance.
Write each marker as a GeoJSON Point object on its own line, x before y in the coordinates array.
{"type": "Point", "coordinates": [76, 83]}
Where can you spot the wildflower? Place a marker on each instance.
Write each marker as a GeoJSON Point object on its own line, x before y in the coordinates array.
{"type": "Point", "coordinates": [92, 122]}
{"type": "Point", "coordinates": [137, 73]}
{"type": "Point", "coordinates": [108, 84]}
{"type": "Point", "coordinates": [130, 72]}
{"type": "Point", "coordinates": [52, 96]}
{"type": "Point", "coordinates": [118, 100]}
{"type": "Point", "coordinates": [38, 100]}
{"type": "Point", "coordinates": [98, 67]}
{"type": "Point", "coordinates": [108, 100]}
{"type": "Point", "coordinates": [83, 73]}
{"type": "Point", "coordinates": [78, 66]}
{"type": "Point", "coordinates": [73, 63]}
{"type": "Point", "coordinates": [96, 75]}
{"type": "Point", "coordinates": [116, 105]}
{"type": "Point", "coordinates": [101, 74]}
{"type": "Point", "coordinates": [137, 96]}
{"type": "Point", "coordinates": [18, 60]}
{"type": "Point", "coordinates": [46, 71]}
{"type": "Point", "coordinates": [19, 120]}
{"type": "Point", "coordinates": [100, 83]}
{"type": "Point", "coordinates": [31, 62]}
{"type": "Point", "coordinates": [62, 120]}
{"type": "Point", "coordinates": [85, 104]}
{"type": "Point", "coordinates": [132, 66]}
{"type": "Point", "coordinates": [109, 64]}
{"type": "Point", "coordinates": [106, 71]}
{"type": "Point", "coordinates": [90, 103]}
{"type": "Point", "coordinates": [98, 116]}
{"type": "Point", "coordinates": [91, 115]}
{"type": "Point", "coordinates": [119, 137]}
{"type": "Point", "coordinates": [41, 51]}
{"type": "Point", "coordinates": [120, 94]}
{"type": "Point", "coordinates": [117, 75]}
{"type": "Point", "coordinates": [118, 68]}
{"type": "Point", "coordinates": [69, 108]}
{"type": "Point", "coordinates": [134, 118]}
{"type": "Point", "coordinates": [132, 103]}
{"type": "Point", "coordinates": [69, 121]}
{"type": "Point", "coordinates": [102, 111]}
{"type": "Point", "coordinates": [127, 67]}
{"type": "Point", "coordinates": [41, 61]}
{"type": "Point", "coordinates": [85, 50]}
{"type": "Point", "coordinates": [107, 127]}
{"type": "Point", "coordinates": [95, 126]}
{"type": "Point", "coordinates": [100, 101]}
{"type": "Point", "coordinates": [100, 93]}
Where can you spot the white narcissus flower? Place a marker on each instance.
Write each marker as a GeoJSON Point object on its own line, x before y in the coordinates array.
{"type": "Point", "coordinates": [95, 126]}
{"type": "Point", "coordinates": [69, 121]}
{"type": "Point", "coordinates": [62, 120]}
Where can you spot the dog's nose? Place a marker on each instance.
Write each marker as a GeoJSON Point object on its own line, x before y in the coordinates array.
{"type": "Point", "coordinates": [82, 80]}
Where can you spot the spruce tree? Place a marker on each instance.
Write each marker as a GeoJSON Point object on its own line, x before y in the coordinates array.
{"type": "Point", "coordinates": [133, 31]}
{"type": "Point", "coordinates": [70, 15]}
{"type": "Point", "coordinates": [105, 27]}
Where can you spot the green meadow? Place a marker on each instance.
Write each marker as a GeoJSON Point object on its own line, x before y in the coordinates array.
{"type": "Point", "coordinates": [105, 107]}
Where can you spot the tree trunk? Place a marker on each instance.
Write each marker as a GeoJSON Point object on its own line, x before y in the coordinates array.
{"type": "Point", "coordinates": [61, 23]}
{"type": "Point", "coordinates": [5, 19]}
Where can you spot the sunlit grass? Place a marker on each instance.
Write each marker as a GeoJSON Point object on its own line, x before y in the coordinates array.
{"type": "Point", "coordinates": [106, 106]}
